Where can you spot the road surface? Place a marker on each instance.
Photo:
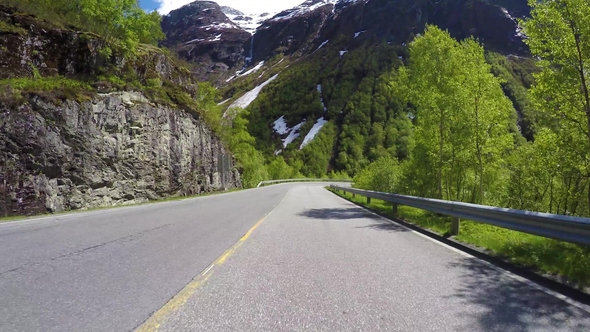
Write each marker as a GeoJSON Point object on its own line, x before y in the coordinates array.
{"type": "Point", "coordinates": [288, 257]}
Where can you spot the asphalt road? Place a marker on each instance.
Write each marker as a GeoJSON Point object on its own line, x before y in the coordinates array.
{"type": "Point", "coordinates": [315, 262]}
{"type": "Point", "coordinates": [109, 270]}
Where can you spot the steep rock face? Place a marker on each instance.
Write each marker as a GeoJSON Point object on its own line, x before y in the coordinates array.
{"type": "Point", "coordinates": [491, 22]}
{"type": "Point", "coordinates": [116, 149]}
{"type": "Point", "coordinates": [202, 34]}
{"type": "Point", "coordinates": [300, 30]}
{"type": "Point", "coordinates": [65, 148]}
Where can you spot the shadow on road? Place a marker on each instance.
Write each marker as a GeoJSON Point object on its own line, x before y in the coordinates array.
{"type": "Point", "coordinates": [338, 214]}
{"type": "Point", "coordinates": [386, 226]}
{"type": "Point", "coordinates": [353, 213]}
{"type": "Point", "coordinates": [509, 305]}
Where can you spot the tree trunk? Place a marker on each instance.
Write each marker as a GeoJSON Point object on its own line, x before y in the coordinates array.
{"type": "Point", "coordinates": [440, 155]}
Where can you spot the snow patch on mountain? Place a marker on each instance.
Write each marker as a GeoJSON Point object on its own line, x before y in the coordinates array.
{"type": "Point", "coordinates": [253, 70]}
{"type": "Point", "coordinates": [247, 99]}
{"type": "Point", "coordinates": [249, 22]}
{"type": "Point", "coordinates": [313, 132]}
{"type": "Point", "coordinates": [281, 128]}
{"type": "Point", "coordinates": [222, 25]}
{"type": "Point", "coordinates": [306, 7]}
{"type": "Point", "coordinates": [223, 102]}
{"type": "Point", "coordinates": [322, 45]}
{"type": "Point", "coordinates": [294, 134]}
{"type": "Point", "coordinates": [359, 33]}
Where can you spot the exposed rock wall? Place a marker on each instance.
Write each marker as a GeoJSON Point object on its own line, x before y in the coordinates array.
{"type": "Point", "coordinates": [116, 149]}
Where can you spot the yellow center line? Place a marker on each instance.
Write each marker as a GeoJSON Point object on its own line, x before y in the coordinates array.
{"type": "Point", "coordinates": [153, 323]}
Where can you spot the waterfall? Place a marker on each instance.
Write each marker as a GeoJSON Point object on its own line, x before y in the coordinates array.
{"type": "Point", "coordinates": [249, 59]}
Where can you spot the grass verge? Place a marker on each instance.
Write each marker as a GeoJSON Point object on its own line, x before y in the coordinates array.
{"type": "Point", "coordinates": [545, 256]}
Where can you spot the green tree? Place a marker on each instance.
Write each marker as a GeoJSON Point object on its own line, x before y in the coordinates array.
{"type": "Point", "coordinates": [488, 114]}
{"type": "Point", "coordinates": [463, 118]}
{"type": "Point", "coordinates": [559, 35]}
{"type": "Point", "coordinates": [436, 81]}
{"type": "Point", "coordinates": [242, 145]}
{"type": "Point", "coordinates": [121, 23]}
{"type": "Point", "coordinates": [382, 175]}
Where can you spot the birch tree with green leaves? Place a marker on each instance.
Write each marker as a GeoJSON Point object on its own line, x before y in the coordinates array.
{"type": "Point", "coordinates": [558, 34]}
{"type": "Point", "coordinates": [463, 118]}
{"type": "Point", "coordinates": [488, 114]}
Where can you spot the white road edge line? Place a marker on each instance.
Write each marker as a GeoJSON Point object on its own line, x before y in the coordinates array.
{"type": "Point", "coordinates": [530, 283]}
{"type": "Point", "coordinates": [207, 270]}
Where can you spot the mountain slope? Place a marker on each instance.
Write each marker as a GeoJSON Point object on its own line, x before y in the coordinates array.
{"type": "Point", "coordinates": [201, 33]}
{"type": "Point", "coordinates": [316, 76]}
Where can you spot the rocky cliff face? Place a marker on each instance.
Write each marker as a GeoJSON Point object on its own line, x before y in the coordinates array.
{"type": "Point", "coordinates": [202, 34]}
{"type": "Point", "coordinates": [115, 149]}
{"type": "Point", "coordinates": [93, 144]}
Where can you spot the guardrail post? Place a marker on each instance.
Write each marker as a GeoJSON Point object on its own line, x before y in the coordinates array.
{"type": "Point", "coordinates": [368, 200]}
{"type": "Point", "coordinates": [394, 209]}
{"type": "Point", "coordinates": [353, 195]}
{"type": "Point", "coordinates": [455, 226]}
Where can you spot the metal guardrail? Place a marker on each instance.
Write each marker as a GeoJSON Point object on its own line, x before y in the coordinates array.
{"type": "Point", "coordinates": [263, 183]}
{"type": "Point", "coordinates": [554, 226]}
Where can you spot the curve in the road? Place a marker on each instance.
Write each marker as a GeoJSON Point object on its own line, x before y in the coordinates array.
{"type": "Point", "coordinates": [284, 257]}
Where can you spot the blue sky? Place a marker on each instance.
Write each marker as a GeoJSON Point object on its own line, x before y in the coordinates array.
{"type": "Point", "coordinates": [149, 5]}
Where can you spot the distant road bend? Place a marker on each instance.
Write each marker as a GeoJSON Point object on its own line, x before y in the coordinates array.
{"type": "Point", "coordinates": [288, 257]}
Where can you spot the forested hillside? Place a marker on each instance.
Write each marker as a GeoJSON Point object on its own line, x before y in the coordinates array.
{"type": "Point", "coordinates": [439, 114]}
{"type": "Point", "coordinates": [345, 80]}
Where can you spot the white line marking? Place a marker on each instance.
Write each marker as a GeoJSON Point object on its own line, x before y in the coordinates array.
{"type": "Point", "coordinates": [208, 269]}
{"type": "Point", "coordinates": [530, 283]}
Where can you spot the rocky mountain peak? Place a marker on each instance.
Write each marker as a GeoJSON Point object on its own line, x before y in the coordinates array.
{"type": "Point", "coordinates": [247, 22]}
{"type": "Point", "coordinates": [230, 11]}
{"type": "Point", "coordinates": [201, 32]}
{"type": "Point", "coordinates": [302, 9]}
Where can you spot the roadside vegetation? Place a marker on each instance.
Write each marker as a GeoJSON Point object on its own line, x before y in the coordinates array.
{"type": "Point", "coordinates": [120, 23]}
{"type": "Point", "coordinates": [463, 143]}
{"type": "Point", "coordinates": [449, 119]}
{"type": "Point", "coordinates": [465, 147]}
